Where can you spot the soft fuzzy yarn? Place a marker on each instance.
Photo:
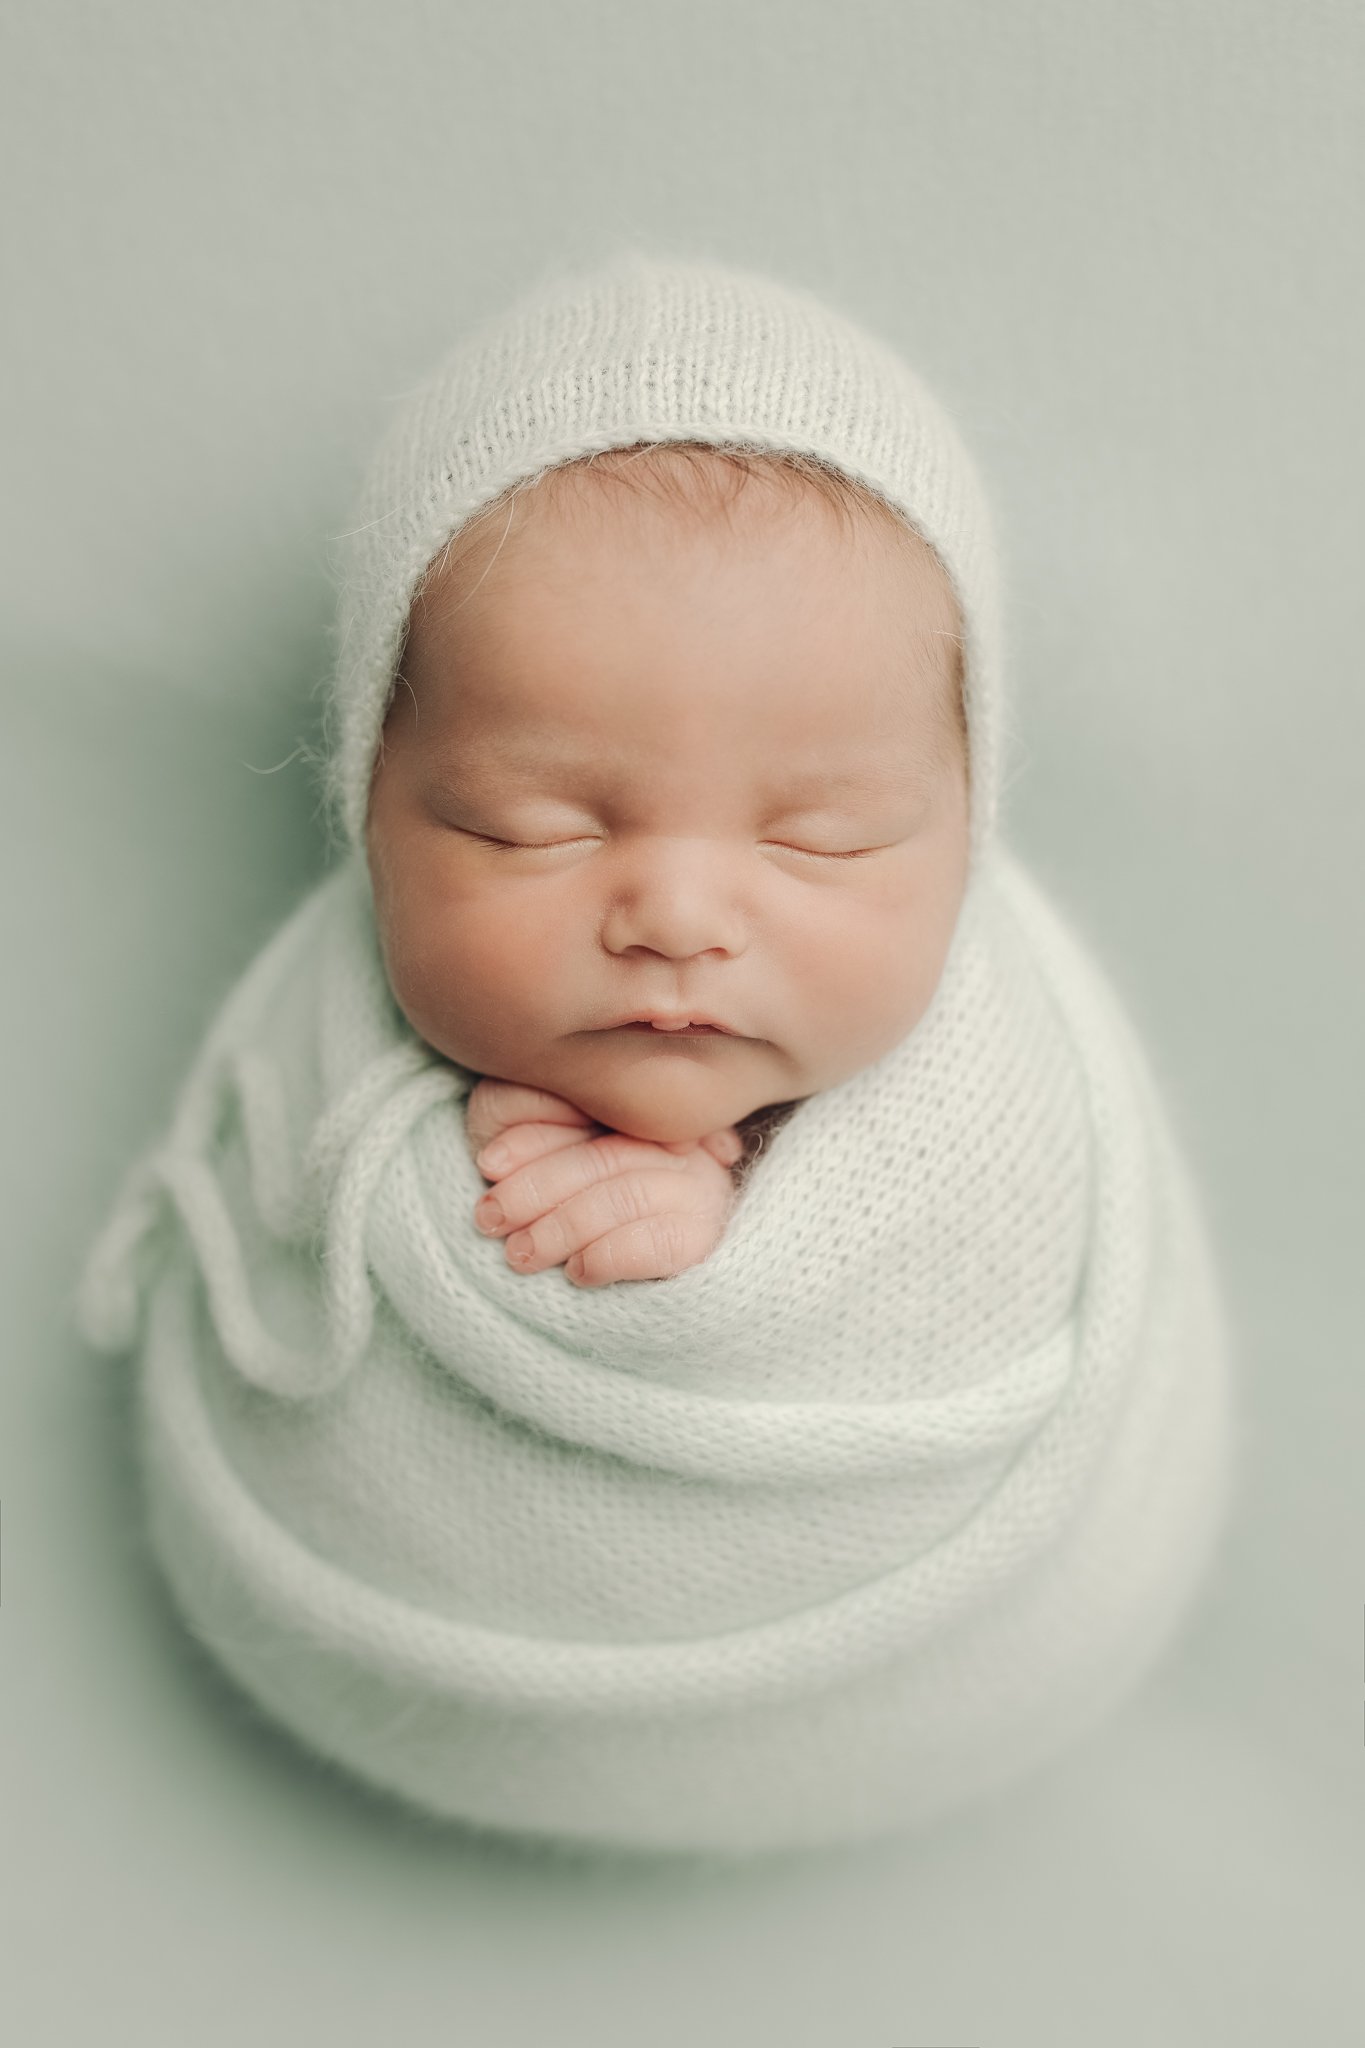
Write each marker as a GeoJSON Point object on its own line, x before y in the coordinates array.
{"type": "Point", "coordinates": [884, 1502]}
{"type": "Point", "coordinates": [646, 350]}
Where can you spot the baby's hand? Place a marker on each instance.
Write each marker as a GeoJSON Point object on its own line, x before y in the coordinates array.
{"type": "Point", "coordinates": [606, 1207]}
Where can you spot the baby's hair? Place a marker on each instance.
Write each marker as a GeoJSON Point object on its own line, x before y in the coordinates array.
{"type": "Point", "coordinates": [707, 479]}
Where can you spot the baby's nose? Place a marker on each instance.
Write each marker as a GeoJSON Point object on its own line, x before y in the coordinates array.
{"type": "Point", "coordinates": [675, 898]}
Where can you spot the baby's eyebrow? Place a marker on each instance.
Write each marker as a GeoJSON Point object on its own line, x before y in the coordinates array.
{"type": "Point", "coordinates": [824, 782]}
{"type": "Point", "coordinates": [792, 793]}
{"type": "Point", "coordinates": [461, 774]}
{"type": "Point", "coordinates": [885, 780]}
{"type": "Point", "coordinates": [472, 775]}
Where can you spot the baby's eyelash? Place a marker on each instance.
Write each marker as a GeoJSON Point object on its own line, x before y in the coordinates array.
{"type": "Point", "coordinates": [525, 845]}
{"type": "Point", "coordinates": [547, 845]}
{"type": "Point", "coordinates": [809, 853]}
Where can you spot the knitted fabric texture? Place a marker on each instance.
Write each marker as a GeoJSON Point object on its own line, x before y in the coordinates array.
{"type": "Point", "coordinates": [644, 350]}
{"type": "Point", "coordinates": [883, 1503]}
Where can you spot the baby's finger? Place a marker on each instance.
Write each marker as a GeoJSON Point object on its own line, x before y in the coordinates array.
{"type": "Point", "coordinates": [520, 1144]}
{"type": "Point", "coordinates": [545, 1183]}
{"type": "Point", "coordinates": [493, 1105]}
{"type": "Point", "coordinates": [651, 1248]}
{"type": "Point", "coordinates": [651, 1233]}
{"type": "Point", "coordinates": [725, 1145]}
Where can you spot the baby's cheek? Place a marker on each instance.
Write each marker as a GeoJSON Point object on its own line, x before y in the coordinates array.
{"type": "Point", "coordinates": [507, 967]}
{"type": "Point", "coordinates": [413, 970]}
{"type": "Point", "coordinates": [487, 987]}
{"type": "Point", "coordinates": [860, 983]}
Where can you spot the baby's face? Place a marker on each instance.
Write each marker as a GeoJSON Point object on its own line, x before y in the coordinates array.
{"type": "Point", "coordinates": [642, 762]}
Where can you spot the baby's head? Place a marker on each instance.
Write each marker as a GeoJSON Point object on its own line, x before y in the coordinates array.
{"type": "Point", "coordinates": [681, 736]}
{"type": "Point", "coordinates": [675, 725]}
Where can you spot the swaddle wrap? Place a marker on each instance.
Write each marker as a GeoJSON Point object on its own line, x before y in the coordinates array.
{"type": "Point", "coordinates": [885, 1501]}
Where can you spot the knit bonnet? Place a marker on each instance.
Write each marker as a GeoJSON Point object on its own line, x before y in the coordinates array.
{"type": "Point", "coordinates": [648, 349]}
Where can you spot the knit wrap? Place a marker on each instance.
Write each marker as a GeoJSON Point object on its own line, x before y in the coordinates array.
{"type": "Point", "coordinates": [894, 1494]}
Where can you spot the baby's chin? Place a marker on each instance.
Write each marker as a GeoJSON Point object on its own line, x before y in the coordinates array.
{"type": "Point", "coordinates": [672, 1098]}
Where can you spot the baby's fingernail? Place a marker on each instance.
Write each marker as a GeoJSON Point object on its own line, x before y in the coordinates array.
{"type": "Point", "coordinates": [488, 1214]}
{"type": "Point", "coordinates": [494, 1157]}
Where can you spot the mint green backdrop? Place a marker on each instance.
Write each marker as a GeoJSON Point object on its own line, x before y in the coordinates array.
{"type": "Point", "coordinates": [1124, 243]}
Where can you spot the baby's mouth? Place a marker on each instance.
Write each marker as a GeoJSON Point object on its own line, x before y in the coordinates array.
{"type": "Point", "coordinates": [677, 1025]}
{"type": "Point", "coordinates": [679, 1030]}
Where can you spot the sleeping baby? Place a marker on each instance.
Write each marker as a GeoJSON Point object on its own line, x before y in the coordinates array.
{"type": "Point", "coordinates": [669, 1312]}
{"type": "Point", "coordinates": [669, 825]}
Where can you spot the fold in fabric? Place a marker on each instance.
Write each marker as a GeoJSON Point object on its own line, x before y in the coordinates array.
{"type": "Point", "coordinates": [898, 1491]}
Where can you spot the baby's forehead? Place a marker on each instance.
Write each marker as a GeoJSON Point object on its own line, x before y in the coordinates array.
{"type": "Point", "coordinates": [688, 489]}
{"type": "Point", "coordinates": [828, 654]}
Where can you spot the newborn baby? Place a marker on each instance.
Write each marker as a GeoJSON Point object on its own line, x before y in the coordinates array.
{"type": "Point", "coordinates": [669, 1311]}
{"type": "Point", "coordinates": [669, 825]}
